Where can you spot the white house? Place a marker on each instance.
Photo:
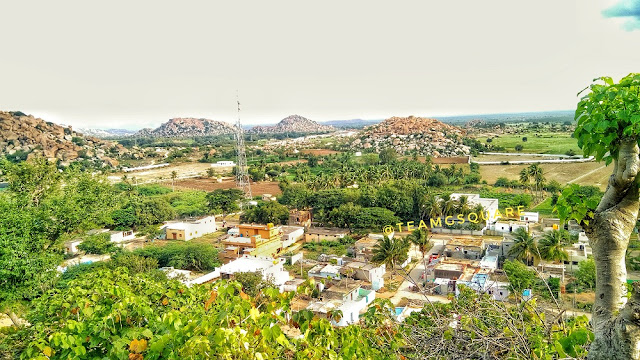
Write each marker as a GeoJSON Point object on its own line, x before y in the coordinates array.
{"type": "Point", "coordinates": [291, 235]}
{"type": "Point", "coordinates": [120, 236]}
{"type": "Point", "coordinates": [187, 230]}
{"type": "Point", "coordinates": [530, 217]}
{"type": "Point", "coordinates": [223, 164]}
{"type": "Point", "coordinates": [490, 206]}
{"type": "Point", "coordinates": [509, 226]}
{"type": "Point", "coordinates": [366, 271]}
{"type": "Point", "coordinates": [325, 271]}
{"type": "Point", "coordinates": [269, 268]}
{"type": "Point", "coordinates": [71, 247]}
{"type": "Point", "coordinates": [350, 298]}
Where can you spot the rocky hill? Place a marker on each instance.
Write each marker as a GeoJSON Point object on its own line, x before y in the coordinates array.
{"type": "Point", "coordinates": [27, 136]}
{"type": "Point", "coordinates": [408, 134]}
{"type": "Point", "coordinates": [293, 123]}
{"type": "Point", "coordinates": [188, 127]}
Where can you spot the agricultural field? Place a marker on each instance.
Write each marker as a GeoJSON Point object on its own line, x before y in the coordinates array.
{"type": "Point", "coordinates": [206, 184]}
{"type": "Point", "coordinates": [538, 143]}
{"type": "Point", "coordinates": [589, 173]}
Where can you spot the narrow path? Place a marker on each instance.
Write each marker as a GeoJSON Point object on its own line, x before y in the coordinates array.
{"type": "Point", "coordinates": [586, 174]}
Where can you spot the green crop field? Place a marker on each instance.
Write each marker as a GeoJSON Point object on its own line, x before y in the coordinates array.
{"type": "Point", "coordinates": [539, 143]}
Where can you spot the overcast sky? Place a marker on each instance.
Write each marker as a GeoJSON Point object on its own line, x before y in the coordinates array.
{"type": "Point", "coordinates": [134, 64]}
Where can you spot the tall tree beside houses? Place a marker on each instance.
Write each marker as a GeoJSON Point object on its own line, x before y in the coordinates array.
{"type": "Point", "coordinates": [608, 126]}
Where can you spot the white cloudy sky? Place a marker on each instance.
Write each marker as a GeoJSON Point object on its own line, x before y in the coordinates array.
{"type": "Point", "coordinates": [138, 63]}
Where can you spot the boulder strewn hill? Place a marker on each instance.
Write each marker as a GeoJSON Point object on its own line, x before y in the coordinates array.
{"type": "Point", "coordinates": [187, 127]}
{"type": "Point", "coordinates": [293, 123]}
{"type": "Point", "coordinates": [27, 136]}
{"type": "Point", "coordinates": [408, 134]}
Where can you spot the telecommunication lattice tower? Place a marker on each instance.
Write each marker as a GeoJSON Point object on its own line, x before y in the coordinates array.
{"type": "Point", "coordinates": [242, 176]}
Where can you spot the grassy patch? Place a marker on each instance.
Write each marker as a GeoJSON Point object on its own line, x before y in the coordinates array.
{"type": "Point", "coordinates": [539, 143]}
{"type": "Point", "coordinates": [545, 207]}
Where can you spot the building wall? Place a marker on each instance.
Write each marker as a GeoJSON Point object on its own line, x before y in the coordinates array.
{"type": "Point", "coordinates": [175, 234]}
{"type": "Point", "coordinates": [310, 237]}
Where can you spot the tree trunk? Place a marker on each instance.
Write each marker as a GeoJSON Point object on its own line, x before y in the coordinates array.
{"type": "Point", "coordinates": [14, 318]}
{"type": "Point", "coordinates": [616, 322]}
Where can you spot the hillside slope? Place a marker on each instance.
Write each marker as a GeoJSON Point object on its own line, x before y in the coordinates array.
{"type": "Point", "coordinates": [186, 127]}
{"type": "Point", "coordinates": [409, 134]}
{"type": "Point", "coordinates": [24, 135]}
{"type": "Point", "coordinates": [293, 123]}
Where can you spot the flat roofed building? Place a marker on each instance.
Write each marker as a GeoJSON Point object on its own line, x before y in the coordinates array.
{"type": "Point", "coordinates": [465, 248]}
{"type": "Point", "coordinates": [317, 234]}
{"type": "Point", "coordinates": [254, 240]}
{"type": "Point", "coordinates": [190, 229]}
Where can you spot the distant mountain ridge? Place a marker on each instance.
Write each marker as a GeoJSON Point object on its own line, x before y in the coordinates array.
{"type": "Point", "coordinates": [105, 133]}
{"type": "Point", "coordinates": [292, 123]}
{"type": "Point", "coordinates": [186, 127]}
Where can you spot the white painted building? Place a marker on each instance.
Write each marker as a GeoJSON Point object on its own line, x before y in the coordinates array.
{"type": "Point", "coordinates": [71, 247]}
{"type": "Point", "coordinates": [291, 235]}
{"type": "Point", "coordinates": [121, 236]}
{"type": "Point", "coordinates": [509, 226]}
{"type": "Point", "coordinates": [490, 206]}
{"type": "Point", "coordinates": [223, 164]}
{"type": "Point", "coordinates": [530, 217]}
{"type": "Point", "coordinates": [187, 230]}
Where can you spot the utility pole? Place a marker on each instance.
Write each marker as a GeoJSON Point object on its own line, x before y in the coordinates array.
{"type": "Point", "coordinates": [242, 176]}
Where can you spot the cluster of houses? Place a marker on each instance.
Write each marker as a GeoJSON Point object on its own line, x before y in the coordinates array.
{"type": "Point", "coordinates": [349, 283]}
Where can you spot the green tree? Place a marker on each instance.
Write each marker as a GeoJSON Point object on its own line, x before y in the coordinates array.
{"type": "Point", "coordinates": [524, 246]}
{"type": "Point", "coordinates": [608, 127]}
{"type": "Point", "coordinates": [388, 155]}
{"type": "Point", "coordinates": [520, 277]}
{"type": "Point", "coordinates": [253, 282]}
{"type": "Point", "coordinates": [98, 244]}
{"type": "Point", "coordinates": [266, 212]}
{"type": "Point", "coordinates": [586, 273]}
{"type": "Point", "coordinates": [391, 252]}
{"type": "Point", "coordinates": [421, 239]}
{"type": "Point", "coordinates": [224, 201]}
{"type": "Point", "coordinates": [552, 244]}
{"type": "Point", "coordinates": [174, 176]}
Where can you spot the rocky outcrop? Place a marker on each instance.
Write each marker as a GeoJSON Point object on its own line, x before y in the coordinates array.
{"type": "Point", "coordinates": [188, 127]}
{"type": "Point", "coordinates": [26, 135]}
{"type": "Point", "coordinates": [410, 134]}
{"type": "Point", "coordinates": [293, 123]}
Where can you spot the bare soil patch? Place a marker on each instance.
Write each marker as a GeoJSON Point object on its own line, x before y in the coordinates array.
{"type": "Point", "coordinates": [207, 184]}
{"type": "Point", "coordinates": [319, 152]}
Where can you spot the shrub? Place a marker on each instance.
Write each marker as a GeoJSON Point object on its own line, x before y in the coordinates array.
{"type": "Point", "coordinates": [183, 255]}
{"type": "Point", "coordinates": [98, 244]}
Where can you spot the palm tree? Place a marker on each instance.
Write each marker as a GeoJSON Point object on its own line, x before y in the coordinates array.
{"type": "Point", "coordinates": [551, 246]}
{"type": "Point", "coordinates": [524, 177]}
{"type": "Point", "coordinates": [537, 174]}
{"type": "Point", "coordinates": [174, 175]}
{"type": "Point", "coordinates": [390, 252]}
{"type": "Point", "coordinates": [524, 247]}
{"type": "Point", "coordinates": [421, 239]}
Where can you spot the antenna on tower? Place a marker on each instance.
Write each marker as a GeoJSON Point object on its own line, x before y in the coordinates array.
{"type": "Point", "coordinates": [242, 176]}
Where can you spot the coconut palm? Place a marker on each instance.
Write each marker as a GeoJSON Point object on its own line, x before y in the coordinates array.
{"type": "Point", "coordinates": [421, 239]}
{"type": "Point", "coordinates": [174, 175]}
{"type": "Point", "coordinates": [524, 247]}
{"type": "Point", "coordinates": [551, 246]}
{"type": "Point", "coordinates": [390, 252]}
{"type": "Point", "coordinates": [524, 177]}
